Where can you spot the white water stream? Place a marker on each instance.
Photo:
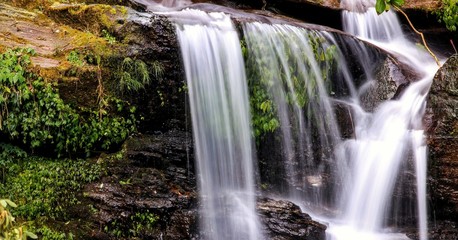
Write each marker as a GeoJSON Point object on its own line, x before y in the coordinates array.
{"type": "Point", "coordinates": [384, 138]}
{"type": "Point", "coordinates": [218, 96]}
{"type": "Point", "coordinates": [287, 60]}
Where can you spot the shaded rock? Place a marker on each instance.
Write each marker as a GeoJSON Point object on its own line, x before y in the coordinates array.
{"type": "Point", "coordinates": [388, 79]}
{"type": "Point", "coordinates": [441, 121]}
{"type": "Point", "coordinates": [437, 230]}
{"type": "Point", "coordinates": [133, 187]}
{"type": "Point", "coordinates": [152, 38]}
{"type": "Point", "coordinates": [160, 151]}
{"type": "Point", "coordinates": [284, 220]}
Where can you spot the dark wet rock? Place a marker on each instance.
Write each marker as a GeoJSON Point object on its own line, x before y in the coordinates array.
{"type": "Point", "coordinates": [152, 38]}
{"type": "Point", "coordinates": [437, 230]}
{"type": "Point", "coordinates": [388, 79]}
{"type": "Point", "coordinates": [283, 220]}
{"type": "Point", "coordinates": [168, 190]}
{"type": "Point", "coordinates": [134, 186]}
{"type": "Point", "coordinates": [162, 150]}
{"type": "Point", "coordinates": [442, 123]}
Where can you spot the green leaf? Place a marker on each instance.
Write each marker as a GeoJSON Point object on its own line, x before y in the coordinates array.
{"type": "Point", "coordinates": [31, 235]}
{"type": "Point", "coordinates": [397, 3]}
{"type": "Point", "coordinates": [380, 6]}
{"type": "Point", "coordinates": [11, 203]}
{"type": "Point", "coordinates": [3, 203]}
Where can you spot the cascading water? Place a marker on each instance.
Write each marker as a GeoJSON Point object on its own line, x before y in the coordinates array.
{"type": "Point", "coordinates": [221, 125]}
{"type": "Point", "coordinates": [384, 138]}
{"type": "Point", "coordinates": [295, 79]}
{"type": "Point", "coordinates": [293, 65]}
{"type": "Point", "coordinates": [294, 68]}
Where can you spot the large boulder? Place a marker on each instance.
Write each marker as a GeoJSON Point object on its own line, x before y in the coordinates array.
{"type": "Point", "coordinates": [442, 123]}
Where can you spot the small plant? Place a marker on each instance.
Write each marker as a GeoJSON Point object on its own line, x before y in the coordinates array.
{"type": "Point", "coordinates": [448, 14]}
{"type": "Point", "coordinates": [108, 37]}
{"type": "Point", "coordinates": [137, 225]}
{"type": "Point", "coordinates": [50, 234]}
{"type": "Point", "coordinates": [8, 229]}
{"type": "Point", "coordinates": [384, 5]}
{"type": "Point", "coordinates": [134, 75]}
{"type": "Point", "coordinates": [75, 58]}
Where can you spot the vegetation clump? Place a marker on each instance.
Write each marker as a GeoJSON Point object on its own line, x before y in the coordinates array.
{"type": "Point", "coordinates": [448, 14]}
{"type": "Point", "coordinates": [8, 227]}
{"type": "Point", "coordinates": [45, 189]}
{"type": "Point", "coordinates": [139, 224]}
{"type": "Point", "coordinates": [32, 111]}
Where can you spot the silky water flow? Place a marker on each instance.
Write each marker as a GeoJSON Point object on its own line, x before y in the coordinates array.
{"type": "Point", "coordinates": [385, 139]}
{"type": "Point", "coordinates": [218, 97]}
{"type": "Point", "coordinates": [295, 66]}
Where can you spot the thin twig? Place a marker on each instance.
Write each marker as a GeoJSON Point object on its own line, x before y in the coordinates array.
{"type": "Point", "coordinates": [419, 33]}
{"type": "Point", "coordinates": [453, 45]}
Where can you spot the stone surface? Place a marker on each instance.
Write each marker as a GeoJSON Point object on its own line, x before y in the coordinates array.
{"type": "Point", "coordinates": [134, 183]}
{"type": "Point", "coordinates": [283, 220]}
{"type": "Point", "coordinates": [388, 79]}
{"type": "Point", "coordinates": [442, 123]}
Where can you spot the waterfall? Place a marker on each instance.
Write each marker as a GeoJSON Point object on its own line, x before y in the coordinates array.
{"type": "Point", "coordinates": [218, 96]}
{"type": "Point", "coordinates": [385, 138]}
{"type": "Point", "coordinates": [292, 75]}
{"type": "Point", "coordinates": [293, 66]}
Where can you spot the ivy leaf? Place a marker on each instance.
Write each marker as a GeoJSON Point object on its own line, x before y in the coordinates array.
{"type": "Point", "coordinates": [380, 6]}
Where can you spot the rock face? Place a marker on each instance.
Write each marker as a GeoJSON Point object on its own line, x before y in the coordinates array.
{"type": "Point", "coordinates": [283, 220]}
{"type": "Point", "coordinates": [442, 123]}
{"type": "Point", "coordinates": [150, 177]}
